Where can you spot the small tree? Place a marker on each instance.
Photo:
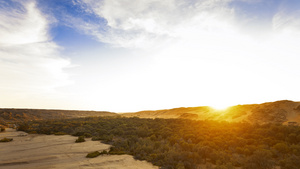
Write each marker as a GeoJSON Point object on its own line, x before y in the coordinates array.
{"type": "Point", "coordinates": [93, 154]}
{"type": "Point", "coordinates": [261, 159]}
{"type": "Point", "coordinates": [104, 152]}
{"type": "Point", "coordinates": [80, 139]}
{"type": "Point", "coordinates": [282, 148]}
{"type": "Point", "coordinates": [290, 162]}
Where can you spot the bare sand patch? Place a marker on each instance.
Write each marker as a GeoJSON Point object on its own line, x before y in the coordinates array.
{"type": "Point", "coordinates": [59, 152]}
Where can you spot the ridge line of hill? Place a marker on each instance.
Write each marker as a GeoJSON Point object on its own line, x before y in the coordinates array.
{"type": "Point", "coordinates": [282, 112]}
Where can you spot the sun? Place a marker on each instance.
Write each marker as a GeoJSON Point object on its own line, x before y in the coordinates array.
{"type": "Point", "coordinates": [220, 107]}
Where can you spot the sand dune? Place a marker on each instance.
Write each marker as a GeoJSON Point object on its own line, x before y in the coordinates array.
{"type": "Point", "coordinates": [50, 152]}
{"type": "Point", "coordinates": [282, 111]}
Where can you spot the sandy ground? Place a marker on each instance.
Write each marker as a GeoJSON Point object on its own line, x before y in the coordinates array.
{"type": "Point", "coordinates": [48, 152]}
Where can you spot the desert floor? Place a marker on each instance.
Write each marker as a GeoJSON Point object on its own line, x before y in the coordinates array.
{"type": "Point", "coordinates": [35, 151]}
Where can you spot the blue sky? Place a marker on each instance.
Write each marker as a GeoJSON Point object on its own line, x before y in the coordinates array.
{"type": "Point", "coordinates": [127, 56]}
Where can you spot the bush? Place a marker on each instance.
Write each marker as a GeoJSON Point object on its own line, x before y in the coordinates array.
{"type": "Point", "coordinates": [33, 132]}
{"type": "Point", "coordinates": [93, 154]}
{"type": "Point", "coordinates": [6, 139]}
{"type": "Point", "coordinates": [80, 139]}
{"type": "Point", "coordinates": [290, 162]}
{"type": "Point", "coordinates": [60, 133]}
{"type": "Point", "coordinates": [117, 152]}
{"type": "Point", "coordinates": [114, 151]}
{"type": "Point", "coordinates": [260, 159]}
{"type": "Point", "coordinates": [104, 152]}
{"type": "Point", "coordinates": [96, 138]}
{"type": "Point", "coordinates": [107, 139]}
{"type": "Point", "coordinates": [87, 135]}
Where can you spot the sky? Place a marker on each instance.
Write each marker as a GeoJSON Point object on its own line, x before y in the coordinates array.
{"type": "Point", "coordinates": [133, 55]}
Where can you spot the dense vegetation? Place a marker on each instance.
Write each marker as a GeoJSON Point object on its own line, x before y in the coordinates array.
{"type": "Point", "coordinates": [181, 143]}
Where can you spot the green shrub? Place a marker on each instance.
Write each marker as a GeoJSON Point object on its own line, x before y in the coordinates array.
{"type": "Point", "coordinates": [107, 139]}
{"type": "Point", "coordinates": [60, 133]}
{"type": "Point", "coordinates": [93, 154]}
{"type": "Point", "coordinates": [78, 134]}
{"type": "Point", "coordinates": [115, 151]}
{"type": "Point", "coordinates": [104, 152]}
{"type": "Point", "coordinates": [32, 132]}
{"type": "Point", "coordinates": [96, 138]}
{"type": "Point", "coordinates": [6, 139]}
{"type": "Point", "coordinates": [87, 135]}
{"type": "Point", "coordinates": [80, 139]}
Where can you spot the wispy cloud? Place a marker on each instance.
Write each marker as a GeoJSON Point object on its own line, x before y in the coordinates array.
{"type": "Point", "coordinates": [148, 23]}
{"type": "Point", "coordinates": [175, 53]}
{"type": "Point", "coordinates": [30, 63]}
{"type": "Point", "coordinates": [22, 26]}
{"type": "Point", "coordinates": [211, 49]}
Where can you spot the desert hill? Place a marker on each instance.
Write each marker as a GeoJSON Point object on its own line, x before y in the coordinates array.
{"type": "Point", "coordinates": [19, 115]}
{"type": "Point", "coordinates": [271, 112]}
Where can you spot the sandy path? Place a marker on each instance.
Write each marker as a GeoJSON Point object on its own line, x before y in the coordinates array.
{"type": "Point", "coordinates": [60, 152]}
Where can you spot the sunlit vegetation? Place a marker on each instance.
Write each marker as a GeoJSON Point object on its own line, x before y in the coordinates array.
{"type": "Point", "coordinates": [6, 139]}
{"type": "Point", "coordinates": [181, 143]}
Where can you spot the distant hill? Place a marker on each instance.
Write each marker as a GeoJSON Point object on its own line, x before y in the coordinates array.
{"type": "Point", "coordinates": [19, 115]}
{"type": "Point", "coordinates": [272, 112]}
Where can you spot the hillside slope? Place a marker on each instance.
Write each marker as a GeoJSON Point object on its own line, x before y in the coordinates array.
{"type": "Point", "coordinates": [272, 112]}
{"type": "Point", "coordinates": [19, 115]}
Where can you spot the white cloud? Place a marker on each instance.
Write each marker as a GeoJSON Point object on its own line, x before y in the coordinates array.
{"type": "Point", "coordinates": [150, 23]}
{"type": "Point", "coordinates": [22, 27]}
{"type": "Point", "coordinates": [286, 21]}
{"type": "Point", "coordinates": [30, 63]}
{"type": "Point", "coordinates": [195, 52]}
{"type": "Point", "coordinates": [208, 55]}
